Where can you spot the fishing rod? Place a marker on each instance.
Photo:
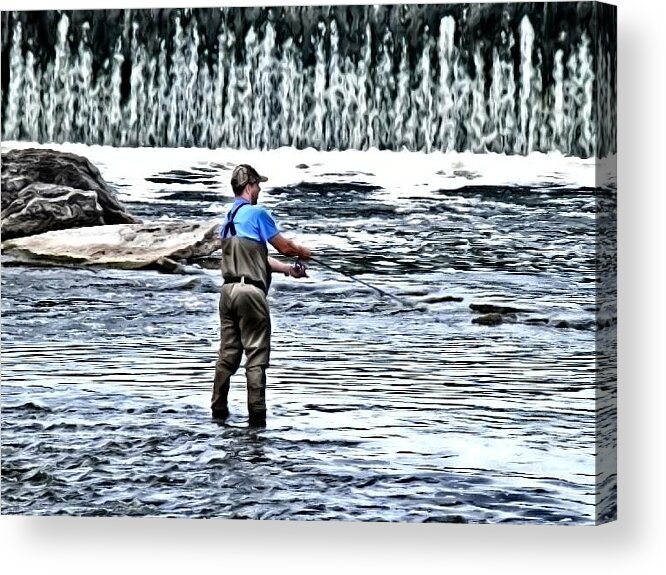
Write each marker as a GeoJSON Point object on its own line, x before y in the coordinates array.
{"type": "Point", "coordinates": [354, 278]}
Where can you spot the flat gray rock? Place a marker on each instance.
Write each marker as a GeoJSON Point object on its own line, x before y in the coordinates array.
{"type": "Point", "coordinates": [163, 245]}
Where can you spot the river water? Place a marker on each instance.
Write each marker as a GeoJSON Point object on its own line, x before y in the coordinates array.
{"type": "Point", "coordinates": [377, 411]}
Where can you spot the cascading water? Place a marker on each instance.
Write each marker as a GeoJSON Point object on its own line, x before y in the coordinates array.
{"type": "Point", "coordinates": [424, 78]}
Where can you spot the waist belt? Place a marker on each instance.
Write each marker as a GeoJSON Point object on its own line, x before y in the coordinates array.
{"type": "Point", "coordinates": [244, 280]}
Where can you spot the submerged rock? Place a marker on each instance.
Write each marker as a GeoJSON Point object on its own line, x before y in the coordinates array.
{"type": "Point", "coordinates": [537, 321]}
{"type": "Point", "coordinates": [161, 245]}
{"type": "Point", "coordinates": [491, 308]}
{"type": "Point", "coordinates": [442, 299]}
{"type": "Point", "coordinates": [489, 319]}
{"type": "Point", "coordinates": [579, 324]}
{"type": "Point", "coordinates": [45, 190]}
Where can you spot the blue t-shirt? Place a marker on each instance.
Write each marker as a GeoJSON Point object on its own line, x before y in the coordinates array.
{"type": "Point", "coordinates": [253, 222]}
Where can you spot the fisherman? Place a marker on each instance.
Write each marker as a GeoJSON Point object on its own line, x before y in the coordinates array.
{"type": "Point", "coordinates": [245, 322]}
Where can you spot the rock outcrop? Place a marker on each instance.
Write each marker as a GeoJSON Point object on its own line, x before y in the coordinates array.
{"type": "Point", "coordinates": [44, 190]}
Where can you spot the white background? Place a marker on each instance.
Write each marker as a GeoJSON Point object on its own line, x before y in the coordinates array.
{"type": "Point", "coordinates": [633, 544]}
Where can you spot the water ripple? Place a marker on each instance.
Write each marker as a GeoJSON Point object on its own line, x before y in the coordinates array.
{"type": "Point", "coordinates": [377, 412]}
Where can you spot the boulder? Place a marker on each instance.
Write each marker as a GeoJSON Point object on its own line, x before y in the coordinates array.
{"type": "Point", "coordinates": [45, 190]}
{"type": "Point", "coordinates": [161, 245]}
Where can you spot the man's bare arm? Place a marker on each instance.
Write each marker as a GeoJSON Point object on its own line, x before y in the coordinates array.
{"type": "Point", "coordinates": [289, 248]}
{"type": "Point", "coordinates": [286, 269]}
{"type": "Point", "coordinates": [278, 266]}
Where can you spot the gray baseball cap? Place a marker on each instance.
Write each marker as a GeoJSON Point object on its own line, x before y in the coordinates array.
{"type": "Point", "coordinates": [245, 174]}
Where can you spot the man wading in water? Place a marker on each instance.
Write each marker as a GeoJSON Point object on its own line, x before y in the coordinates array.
{"type": "Point", "coordinates": [245, 320]}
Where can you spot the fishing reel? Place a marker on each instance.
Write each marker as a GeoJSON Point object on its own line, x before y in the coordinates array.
{"type": "Point", "coordinates": [298, 269]}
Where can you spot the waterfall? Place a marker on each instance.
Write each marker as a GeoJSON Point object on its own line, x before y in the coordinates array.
{"type": "Point", "coordinates": [17, 72]}
{"type": "Point", "coordinates": [523, 143]}
{"type": "Point", "coordinates": [389, 77]}
{"type": "Point", "coordinates": [446, 135]}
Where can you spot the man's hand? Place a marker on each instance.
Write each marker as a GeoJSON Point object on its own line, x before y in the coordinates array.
{"type": "Point", "coordinates": [298, 270]}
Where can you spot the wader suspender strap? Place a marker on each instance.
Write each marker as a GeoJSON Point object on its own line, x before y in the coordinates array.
{"type": "Point", "coordinates": [230, 228]}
